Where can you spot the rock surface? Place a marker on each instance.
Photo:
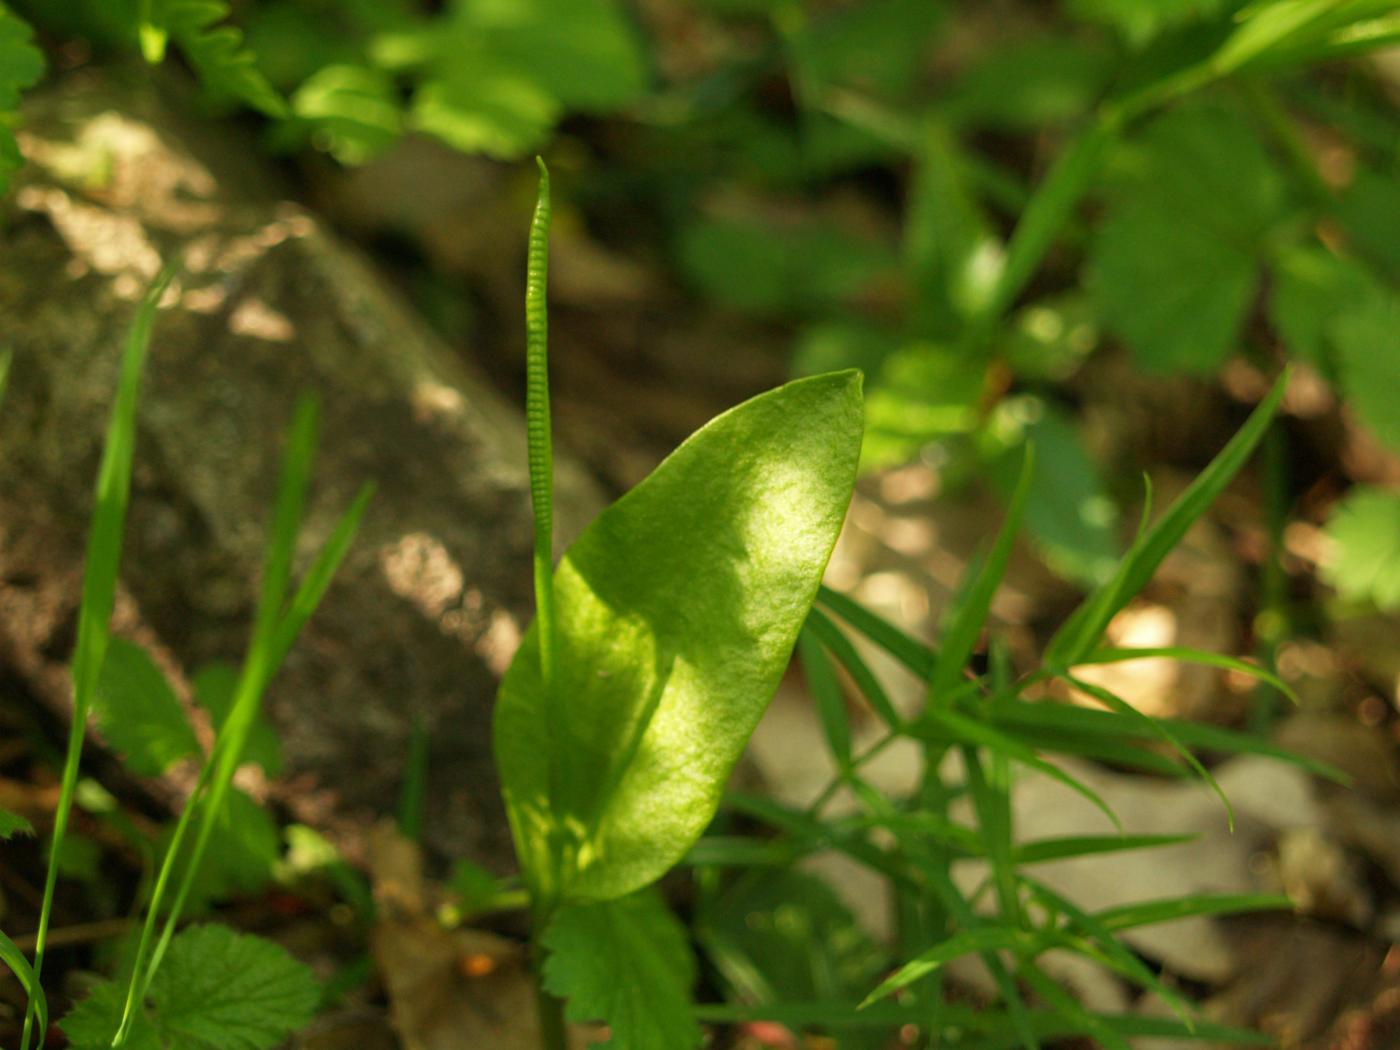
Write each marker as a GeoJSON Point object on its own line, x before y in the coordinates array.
{"type": "Point", "coordinates": [426, 612]}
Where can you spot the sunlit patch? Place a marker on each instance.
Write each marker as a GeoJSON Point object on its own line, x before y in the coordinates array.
{"type": "Point", "coordinates": [253, 317]}
{"type": "Point", "coordinates": [419, 568]}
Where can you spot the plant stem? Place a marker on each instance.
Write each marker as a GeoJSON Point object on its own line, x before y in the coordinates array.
{"type": "Point", "coordinates": [553, 1033]}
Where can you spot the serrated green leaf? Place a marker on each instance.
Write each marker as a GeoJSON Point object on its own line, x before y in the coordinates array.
{"type": "Point", "coordinates": [1311, 288]}
{"type": "Point", "coordinates": [93, 1021]}
{"type": "Point", "coordinates": [1174, 263]}
{"type": "Point", "coordinates": [222, 990]}
{"type": "Point", "coordinates": [1365, 532]}
{"type": "Point", "coordinates": [12, 824]}
{"type": "Point", "coordinates": [627, 962]}
{"type": "Point", "coordinates": [677, 611]}
{"type": "Point", "coordinates": [1368, 360]}
{"type": "Point", "coordinates": [138, 712]}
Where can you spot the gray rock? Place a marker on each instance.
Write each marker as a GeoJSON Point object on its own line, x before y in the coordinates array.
{"type": "Point", "coordinates": [427, 610]}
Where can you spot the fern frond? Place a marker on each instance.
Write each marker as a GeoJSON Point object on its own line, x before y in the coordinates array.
{"type": "Point", "coordinates": [217, 53]}
{"type": "Point", "coordinates": [21, 66]}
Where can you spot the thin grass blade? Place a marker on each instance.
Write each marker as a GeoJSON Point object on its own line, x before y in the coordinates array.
{"type": "Point", "coordinates": [99, 582]}
{"type": "Point", "coordinates": [846, 655]}
{"type": "Point", "coordinates": [1148, 913]}
{"type": "Point", "coordinates": [914, 655]}
{"type": "Point", "coordinates": [970, 614]}
{"type": "Point", "coordinates": [826, 692]}
{"type": "Point", "coordinates": [1081, 632]}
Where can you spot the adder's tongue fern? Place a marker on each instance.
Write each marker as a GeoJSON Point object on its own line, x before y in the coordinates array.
{"type": "Point", "coordinates": [537, 423]}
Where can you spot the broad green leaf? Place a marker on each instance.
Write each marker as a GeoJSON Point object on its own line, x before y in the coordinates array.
{"type": "Point", "coordinates": [243, 849]}
{"type": "Point", "coordinates": [222, 991]}
{"type": "Point", "coordinates": [93, 1020]}
{"type": "Point", "coordinates": [1312, 287]}
{"type": "Point", "coordinates": [1367, 340]}
{"type": "Point", "coordinates": [484, 87]}
{"type": "Point", "coordinates": [214, 688]}
{"type": "Point", "coordinates": [1080, 634]}
{"type": "Point", "coordinates": [677, 611]}
{"type": "Point", "coordinates": [354, 111]}
{"type": "Point", "coordinates": [767, 270]}
{"type": "Point", "coordinates": [1365, 532]}
{"type": "Point", "coordinates": [626, 962]}
{"type": "Point", "coordinates": [21, 66]}
{"type": "Point", "coordinates": [230, 991]}
{"type": "Point", "coordinates": [877, 47]}
{"type": "Point", "coordinates": [953, 255]}
{"type": "Point", "coordinates": [1069, 515]}
{"type": "Point", "coordinates": [978, 939]}
{"type": "Point", "coordinates": [12, 824]}
{"type": "Point", "coordinates": [924, 392]}
{"type": "Point", "coordinates": [138, 712]}
{"type": "Point", "coordinates": [1367, 211]}
{"type": "Point", "coordinates": [1174, 263]}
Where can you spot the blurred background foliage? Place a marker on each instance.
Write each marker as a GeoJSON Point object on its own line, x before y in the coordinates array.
{"type": "Point", "coordinates": [968, 201]}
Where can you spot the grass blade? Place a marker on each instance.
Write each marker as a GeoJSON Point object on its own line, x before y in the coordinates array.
{"type": "Point", "coordinates": [1147, 913]}
{"type": "Point", "coordinates": [1041, 851]}
{"type": "Point", "coordinates": [1080, 634]}
{"type": "Point", "coordinates": [977, 939]}
{"type": "Point", "coordinates": [845, 652]}
{"type": "Point", "coordinates": [970, 613]}
{"type": "Point", "coordinates": [914, 655]}
{"type": "Point", "coordinates": [99, 583]}
{"type": "Point", "coordinates": [970, 731]}
{"type": "Point", "coordinates": [1157, 728]}
{"type": "Point", "coordinates": [826, 691]}
{"type": "Point", "coordinates": [12, 957]}
{"type": "Point", "coordinates": [1193, 656]}
{"type": "Point", "coordinates": [276, 625]}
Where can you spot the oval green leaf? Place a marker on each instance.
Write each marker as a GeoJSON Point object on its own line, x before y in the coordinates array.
{"type": "Point", "coordinates": [677, 611]}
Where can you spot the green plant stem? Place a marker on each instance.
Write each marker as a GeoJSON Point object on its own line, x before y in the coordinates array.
{"type": "Point", "coordinates": [554, 1034]}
